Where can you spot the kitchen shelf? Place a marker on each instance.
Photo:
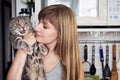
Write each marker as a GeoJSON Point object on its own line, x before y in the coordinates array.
{"type": "Point", "coordinates": [98, 41]}
{"type": "Point", "coordinates": [98, 29]}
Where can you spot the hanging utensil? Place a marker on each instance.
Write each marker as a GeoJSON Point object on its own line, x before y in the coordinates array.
{"type": "Point", "coordinates": [107, 72]}
{"type": "Point", "coordinates": [102, 61]}
{"type": "Point", "coordinates": [118, 63]}
{"type": "Point", "coordinates": [85, 62]}
{"type": "Point", "coordinates": [114, 74]}
{"type": "Point", "coordinates": [92, 68]}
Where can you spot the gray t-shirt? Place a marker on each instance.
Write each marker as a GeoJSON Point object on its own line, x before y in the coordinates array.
{"type": "Point", "coordinates": [55, 74]}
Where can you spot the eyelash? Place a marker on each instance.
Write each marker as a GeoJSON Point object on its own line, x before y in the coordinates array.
{"type": "Point", "coordinates": [44, 27]}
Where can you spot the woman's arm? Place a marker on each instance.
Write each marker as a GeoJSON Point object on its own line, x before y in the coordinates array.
{"type": "Point", "coordinates": [16, 68]}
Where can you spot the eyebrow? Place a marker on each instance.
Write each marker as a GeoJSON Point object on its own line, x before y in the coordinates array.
{"type": "Point", "coordinates": [44, 22]}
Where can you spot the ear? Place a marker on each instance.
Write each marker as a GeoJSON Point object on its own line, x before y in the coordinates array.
{"type": "Point", "coordinates": [12, 19]}
{"type": "Point", "coordinates": [27, 17]}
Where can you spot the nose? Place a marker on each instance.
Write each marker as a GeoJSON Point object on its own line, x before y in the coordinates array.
{"type": "Point", "coordinates": [23, 28]}
{"type": "Point", "coordinates": [37, 27]}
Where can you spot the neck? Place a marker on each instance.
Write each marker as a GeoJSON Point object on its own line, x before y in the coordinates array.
{"type": "Point", "coordinates": [51, 47]}
{"type": "Point", "coordinates": [51, 51]}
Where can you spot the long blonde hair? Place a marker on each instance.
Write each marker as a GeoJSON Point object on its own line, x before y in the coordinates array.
{"type": "Point", "coordinates": [62, 17]}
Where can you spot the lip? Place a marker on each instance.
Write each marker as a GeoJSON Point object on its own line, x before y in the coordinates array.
{"type": "Point", "coordinates": [37, 35]}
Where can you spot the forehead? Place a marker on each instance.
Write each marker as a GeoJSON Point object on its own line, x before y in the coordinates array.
{"type": "Point", "coordinates": [48, 22]}
{"type": "Point", "coordinates": [44, 21]}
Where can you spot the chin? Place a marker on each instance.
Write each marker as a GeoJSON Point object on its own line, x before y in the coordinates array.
{"type": "Point", "coordinates": [38, 40]}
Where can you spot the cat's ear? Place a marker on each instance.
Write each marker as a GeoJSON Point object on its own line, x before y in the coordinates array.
{"type": "Point", "coordinates": [14, 17]}
{"type": "Point", "coordinates": [11, 21]}
{"type": "Point", "coordinates": [27, 17]}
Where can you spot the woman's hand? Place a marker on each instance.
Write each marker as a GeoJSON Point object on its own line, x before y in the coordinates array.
{"type": "Point", "coordinates": [16, 69]}
{"type": "Point", "coordinates": [30, 39]}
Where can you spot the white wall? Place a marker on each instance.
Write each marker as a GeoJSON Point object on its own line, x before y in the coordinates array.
{"type": "Point", "coordinates": [19, 5]}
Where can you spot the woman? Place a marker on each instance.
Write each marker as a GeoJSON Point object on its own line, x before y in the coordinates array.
{"type": "Point", "coordinates": [57, 29]}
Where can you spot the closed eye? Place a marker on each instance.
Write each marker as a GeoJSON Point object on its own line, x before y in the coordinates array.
{"type": "Point", "coordinates": [45, 27]}
{"type": "Point", "coordinates": [25, 23]}
{"type": "Point", "coordinates": [18, 24]}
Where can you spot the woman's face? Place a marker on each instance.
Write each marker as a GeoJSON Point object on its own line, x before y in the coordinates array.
{"type": "Point", "coordinates": [45, 32]}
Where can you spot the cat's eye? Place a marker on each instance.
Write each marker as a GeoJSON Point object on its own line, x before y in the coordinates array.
{"type": "Point", "coordinates": [26, 23]}
{"type": "Point", "coordinates": [18, 24]}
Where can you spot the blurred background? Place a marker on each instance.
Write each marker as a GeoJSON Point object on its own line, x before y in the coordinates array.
{"type": "Point", "coordinates": [5, 15]}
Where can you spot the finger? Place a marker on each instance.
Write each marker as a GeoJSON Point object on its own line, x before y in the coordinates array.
{"type": "Point", "coordinates": [30, 33]}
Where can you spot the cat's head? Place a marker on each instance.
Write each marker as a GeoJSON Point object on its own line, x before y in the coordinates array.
{"type": "Point", "coordinates": [20, 25]}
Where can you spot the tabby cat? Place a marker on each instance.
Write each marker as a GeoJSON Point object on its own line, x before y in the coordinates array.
{"type": "Point", "coordinates": [33, 68]}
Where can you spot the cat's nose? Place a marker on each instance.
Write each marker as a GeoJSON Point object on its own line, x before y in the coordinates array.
{"type": "Point", "coordinates": [23, 28]}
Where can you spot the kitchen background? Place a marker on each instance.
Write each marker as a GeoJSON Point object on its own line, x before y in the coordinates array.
{"type": "Point", "coordinates": [98, 26]}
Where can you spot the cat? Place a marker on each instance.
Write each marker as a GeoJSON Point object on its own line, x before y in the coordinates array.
{"type": "Point", "coordinates": [33, 69]}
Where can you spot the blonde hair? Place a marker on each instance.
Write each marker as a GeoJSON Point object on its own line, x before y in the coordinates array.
{"type": "Point", "coordinates": [62, 17]}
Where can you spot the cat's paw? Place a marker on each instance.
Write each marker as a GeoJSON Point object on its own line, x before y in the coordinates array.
{"type": "Point", "coordinates": [29, 50]}
{"type": "Point", "coordinates": [43, 49]}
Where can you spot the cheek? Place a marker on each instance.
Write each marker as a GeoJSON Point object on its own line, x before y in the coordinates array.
{"type": "Point", "coordinates": [52, 36]}
{"type": "Point", "coordinates": [49, 38]}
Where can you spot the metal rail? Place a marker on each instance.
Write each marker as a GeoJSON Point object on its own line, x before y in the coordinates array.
{"type": "Point", "coordinates": [98, 41]}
